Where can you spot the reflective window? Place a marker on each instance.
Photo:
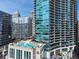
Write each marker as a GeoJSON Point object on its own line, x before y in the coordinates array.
{"type": "Point", "coordinates": [42, 19]}
{"type": "Point", "coordinates": [12, 53]}
{"type": "Point", "coordinates": [18, 54]}
{"type": "Point", "coordinates": [27, 55]}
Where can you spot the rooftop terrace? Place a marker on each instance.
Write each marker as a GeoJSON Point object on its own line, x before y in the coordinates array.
{"type": "Point", "coordinates": [28, 43]}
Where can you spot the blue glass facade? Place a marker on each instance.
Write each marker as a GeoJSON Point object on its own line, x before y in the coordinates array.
{"type": "Point", "coordinates": [55, 22]}
{"type": "Point", "coordinates": [42, 20]}
{"type": "Point", "coordinates": [26, 45]}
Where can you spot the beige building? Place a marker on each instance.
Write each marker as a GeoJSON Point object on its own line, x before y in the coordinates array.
{"type": "Point", "coordinates": [33, 23]}
{"type": "Point", "coordinates": [25, 50]}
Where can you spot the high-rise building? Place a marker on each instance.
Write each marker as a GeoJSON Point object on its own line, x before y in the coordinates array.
{"type": "Point", "coordinates": [5, 28]}
{"type": "Point", "coordinates": [30, 28]}
{"type": "Point", "coordinates": [55, 24]}
{"type": "Point", "coordinates": [76, 48]}
{"type": "Point", "coordinates": [33, 23]}
{"type": "Point", "coordinates": [21, 26]}
{"type": "Point", "coordinates": [78, 31]}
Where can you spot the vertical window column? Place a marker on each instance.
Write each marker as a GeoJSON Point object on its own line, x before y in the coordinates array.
{"type": "Point", "coordinates": [27, 55]}
{"type": "Point", "coordinates": [18, 54]}
{"type": "Point", "coordinates": [12, 53]}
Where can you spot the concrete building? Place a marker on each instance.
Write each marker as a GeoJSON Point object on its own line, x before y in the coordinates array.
{"type": "Point", "coordinates": [33, 23]}
{"type": "Point", "coordinates": [5, 28]}
{"type": "Point", "coordinates": [55, 24]}
{"type": "Point", "coordinates": [78, 30]}
{"type": "Point", "coordinates": [30, 24]}
{"type": "Point", "coordinates": [21, 26]}
{"type": "Point", "coordinates": [26, 50]}
{"type": "Point", "coordinates": [76, 49]}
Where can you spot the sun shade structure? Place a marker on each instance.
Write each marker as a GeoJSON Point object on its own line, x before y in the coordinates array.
{"type": "Point", "coordinates": [26, 45]}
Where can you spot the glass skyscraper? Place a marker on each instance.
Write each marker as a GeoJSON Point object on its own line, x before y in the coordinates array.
{"type": "Point", "coordinates": [5, 28]}
{"type": "Point", "coordinates": [55, 22]}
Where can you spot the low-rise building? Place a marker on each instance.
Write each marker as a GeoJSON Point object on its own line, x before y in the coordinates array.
{"type": "Point", "coordinates": [27, 49]}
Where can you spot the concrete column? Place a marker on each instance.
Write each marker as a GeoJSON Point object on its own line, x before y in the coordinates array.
{"type": "Point", "coordinates": [8, 53]}
{"type": "Point", "coordinates": [60, 49]}
{"type": "Point", "coordinates": [32, 55]}
{"type": "Point", "coordinates": [22, 54]}
{"type": "Point", "coordinates": [48, 55]}
{"type": "Point", "coordinates": [15, 53]}
{"type": "Point", "coordinates": [54, 52]}
{"type": "Point", "coordinates": [68, 48]}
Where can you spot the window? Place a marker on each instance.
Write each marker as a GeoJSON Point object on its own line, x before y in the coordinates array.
{"type": "Point", "coordinates": [12, 53]}
{"type": "Point", "coordinates": [27, 55]}
{"type": "Point", "coordinates": [18, 54]}
{"type": "Point", "coordinates": [37, 52]}
{"type": "Point", "coordinates": [65, 49]}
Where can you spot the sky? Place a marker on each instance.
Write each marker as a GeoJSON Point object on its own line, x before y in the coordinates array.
{"type": "Point", "coordinates": [24, 6]}
{"type": "Point", "coordinates": [10, 6]}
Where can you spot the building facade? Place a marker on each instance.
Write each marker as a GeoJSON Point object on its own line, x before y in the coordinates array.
{"type": "Point", "coordinates": [33, 23]}
{"type": "Point", "coordinates": [78, 31]}
{"type": "Point", "coordinates": [76, 49]}
{"type": "Point", "coordinates": [5, 28]}
{"type": "Point", "coordinates": [21, 26]}
{"type": "Point", "coordinates": [25, 50]}
{"type": "Point", "coordinates": [55, 23]}
{"type": "Point", "coordinates": [30, 28]}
